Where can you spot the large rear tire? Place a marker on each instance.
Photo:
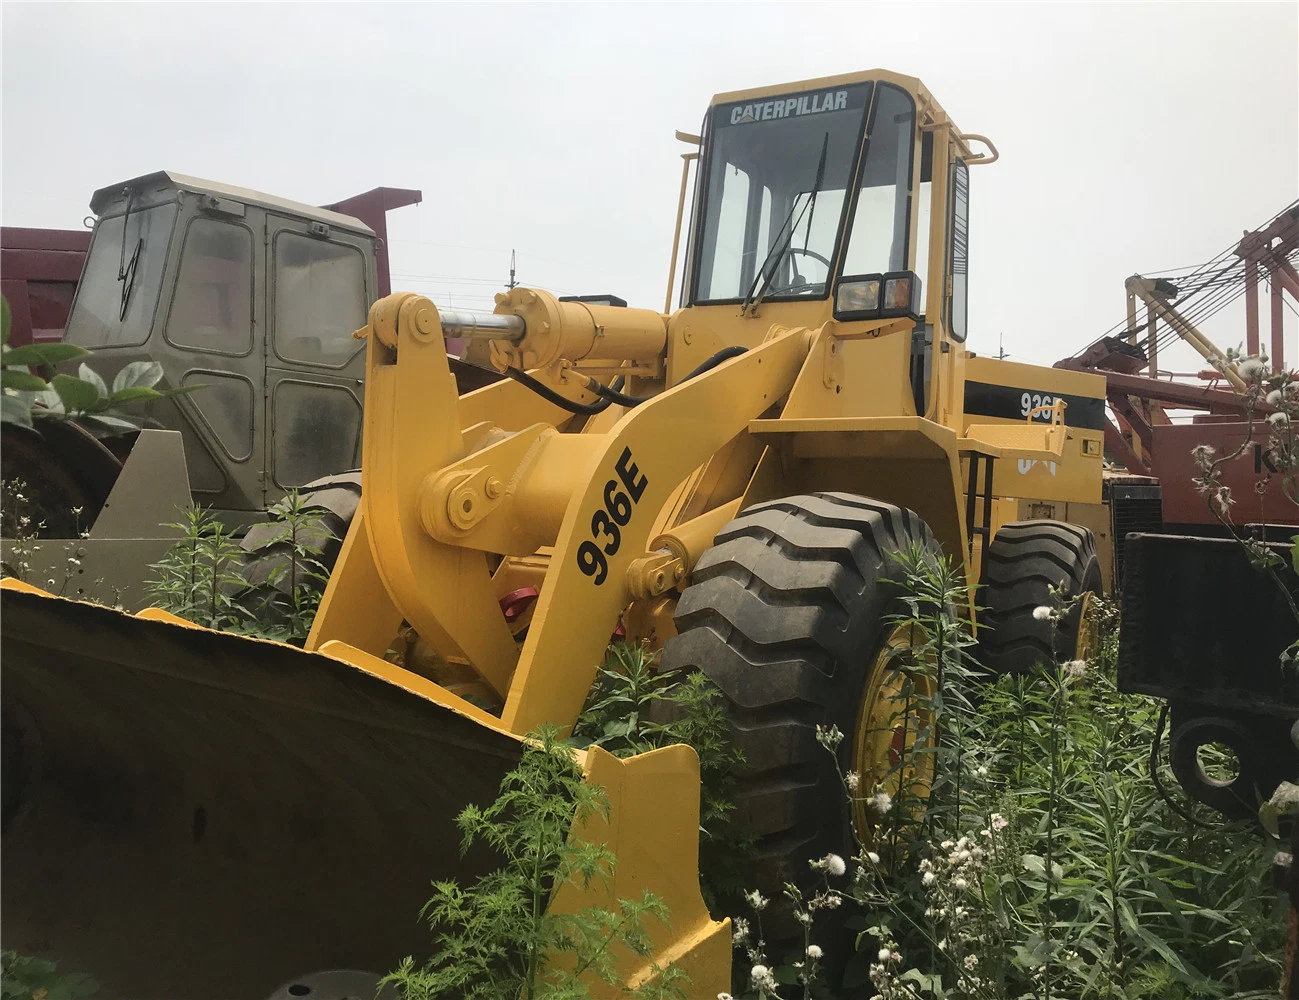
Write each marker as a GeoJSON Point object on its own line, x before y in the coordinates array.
{"type": "Point", "coordinates": [788, 614]}
{"type": "Point", "coordinates": [1025, 560]}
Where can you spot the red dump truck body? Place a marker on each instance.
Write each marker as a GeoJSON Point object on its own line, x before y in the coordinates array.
{"type": "Point", "coordinates": [39, 271]}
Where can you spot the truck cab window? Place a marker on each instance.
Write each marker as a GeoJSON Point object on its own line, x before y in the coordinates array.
{"type": "Point", "coordinates": [212, 307]}
{"type": "Point", "coordinates": [319, 299]}
{"type": "Point", "coordinates": [118, 294]}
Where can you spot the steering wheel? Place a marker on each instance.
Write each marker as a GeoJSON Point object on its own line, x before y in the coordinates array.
{"type": "Point", "coordinates": [805, 286]}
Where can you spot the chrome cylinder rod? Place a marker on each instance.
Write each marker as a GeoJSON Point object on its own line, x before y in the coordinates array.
{"type": "Point", "coordinates": [469, 325]}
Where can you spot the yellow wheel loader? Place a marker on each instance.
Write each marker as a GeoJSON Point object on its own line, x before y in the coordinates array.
{"type": "Point", "coordinates": [197, 814]}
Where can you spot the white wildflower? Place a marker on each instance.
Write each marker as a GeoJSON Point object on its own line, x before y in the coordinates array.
{"type": "Point", "coordinates": [1278, 418]}
{"type": "Point", "coordinates": [980, 771]}
{"type": "Point", "coordinates": [1042, 613]}
{"type": "Point", "coordinates": [803, 917]}
{"type": "Point", "coordinates": [852, 779]}
{"type": "Point", "coordinates": [928, 878]}
{"type": "Point", "coordinates": [762, 978]}
{"type": "Point", "coordinates": [813, 952]}
{"type": "Point", "coordinates": [971, 961]}
{"type": "Point", "coordinates": [1075, 669]}
{"type": "Point", "coordinates": [1274, 398]}
{"type": "Point", "coordinates": [999, 822]}
{"type": "Point", "coordinates": [895, 956]}
{"type": "Point", "coordinates": [725, 996]}
{"type": "Point", "coordinates": [831, 902]}
{"type": "Point", "coordinates": [834, 864]}
{"type": "Point", "coordinates": [881, 802]}
{"type": "Point", "coordinates": [756, 900]}
{"type": "Point", "coordinates": [959, 884]}
{"type": "Point", "coordinates": [739, 930]}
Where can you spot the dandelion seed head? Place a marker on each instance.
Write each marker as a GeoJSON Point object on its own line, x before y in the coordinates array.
{"type": "Point", "coordinates": [873, 857]}
{"type": "Point", "coordinates": [813, 952]}
{"type": "Point", "coordinates": [1042, 613]}
{"type": "Point", "coordinates": [834, 865]}
{"type": "Point", "coordinates": [1075, 669]}
{"type": "Point", "coordinates": [885, 954]}
{"type": "Point", "coordinates": [1252, 369]}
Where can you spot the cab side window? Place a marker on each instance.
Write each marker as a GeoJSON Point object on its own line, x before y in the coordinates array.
{"type": "Point", "coordinates": [319, 300]}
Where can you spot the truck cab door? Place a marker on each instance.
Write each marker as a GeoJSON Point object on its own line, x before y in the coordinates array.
{"type": "Point", "coordinates": [321, 281]}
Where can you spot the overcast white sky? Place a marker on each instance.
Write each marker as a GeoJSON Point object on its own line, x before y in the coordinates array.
{"type": "Point", "coordinates": [1133, 137]}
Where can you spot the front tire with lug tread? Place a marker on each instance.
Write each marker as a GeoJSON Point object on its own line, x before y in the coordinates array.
{"type": "Point", "coordinates": [788, 614]}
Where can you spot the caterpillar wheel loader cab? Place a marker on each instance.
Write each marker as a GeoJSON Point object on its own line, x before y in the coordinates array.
{"type": "Point", "coordinates": [729, 479]}
{"type": "Point", "coordinates": [254, 299]}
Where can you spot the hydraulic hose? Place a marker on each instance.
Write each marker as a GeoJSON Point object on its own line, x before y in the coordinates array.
{"type": "Point", "coordinates": [551, 396]}
{"type": "Point", "coordinates": [612, 395]}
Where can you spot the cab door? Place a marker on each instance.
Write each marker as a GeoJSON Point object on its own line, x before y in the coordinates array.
{"type": "Point", "coordinates": [321, 282]}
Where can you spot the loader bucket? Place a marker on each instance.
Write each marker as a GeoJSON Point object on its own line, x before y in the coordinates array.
{"type": "Point", "coordinates": [188, 813]}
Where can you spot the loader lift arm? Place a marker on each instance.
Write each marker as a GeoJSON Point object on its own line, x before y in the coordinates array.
{"type": "Point", "coordinates": [433, 503]}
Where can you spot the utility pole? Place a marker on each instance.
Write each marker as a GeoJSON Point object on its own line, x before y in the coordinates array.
{"type": "Point", "coordinates": [512, 283]}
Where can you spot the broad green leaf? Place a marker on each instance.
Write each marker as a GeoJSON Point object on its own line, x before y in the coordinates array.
{"type": "Point", "coordinates": [133, 394]}
{"type": "Point", "coordinates": [105, 425]}
{"type": "Point", "coordinates": [14, 378]}
{"type": "Point", "coordinates": [14, 410]}
{"type": "Point", "coordinates": [138, 373]}
{"type": "Point", "coordinates": [1294, 553]}
{"type": "Point", "coordinates": [88, 374]}
{"type": "Point", "coordinates": [77, 394]}
{"type": "Point", "coordinates": [43, 354]}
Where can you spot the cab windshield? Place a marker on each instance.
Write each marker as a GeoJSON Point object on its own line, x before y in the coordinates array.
{"type": "Point", "coordinates": [778, 173]}
{"type": "Point", "coordinates": [119, 287]}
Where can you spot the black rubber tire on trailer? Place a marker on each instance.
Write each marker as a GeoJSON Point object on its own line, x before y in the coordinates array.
{"type": "Point", "coordinates": [1025, 559]}
{"type": "Point", "coordinates": [1264, 755]}
{"type": "Point", "coordinates": [267, 552]}
{"type": "Point", "coordinates": [786, 614]}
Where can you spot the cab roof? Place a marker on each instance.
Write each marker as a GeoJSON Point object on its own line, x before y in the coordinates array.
{"type": "Point", "coordinates": [108, 197]}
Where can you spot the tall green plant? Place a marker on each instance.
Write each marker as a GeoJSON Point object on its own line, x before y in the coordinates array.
{"type": "Point", "coordinates": [284, 606]}
{"type": "Point", "coordinates": [499, 940]}
{"type": "Point", "coordinates": [1048, 865]}
{"type": "Point", "coordinates": [632, 708]}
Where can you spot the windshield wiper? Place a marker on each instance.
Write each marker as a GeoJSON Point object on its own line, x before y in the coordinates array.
{"type": "Point", "coordinates": [126, 269]}
{"type": "Point", "coordinates": [767, 269]}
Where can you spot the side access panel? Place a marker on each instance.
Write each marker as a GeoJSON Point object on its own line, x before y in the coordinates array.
{"type": "Point", "coordinates": [1201, 625]}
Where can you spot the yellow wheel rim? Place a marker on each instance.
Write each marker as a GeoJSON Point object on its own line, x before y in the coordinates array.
{"type": "Point", "coordinates": [892, 745]}
{"type": "Point", "coordinates": [1088, 638]}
